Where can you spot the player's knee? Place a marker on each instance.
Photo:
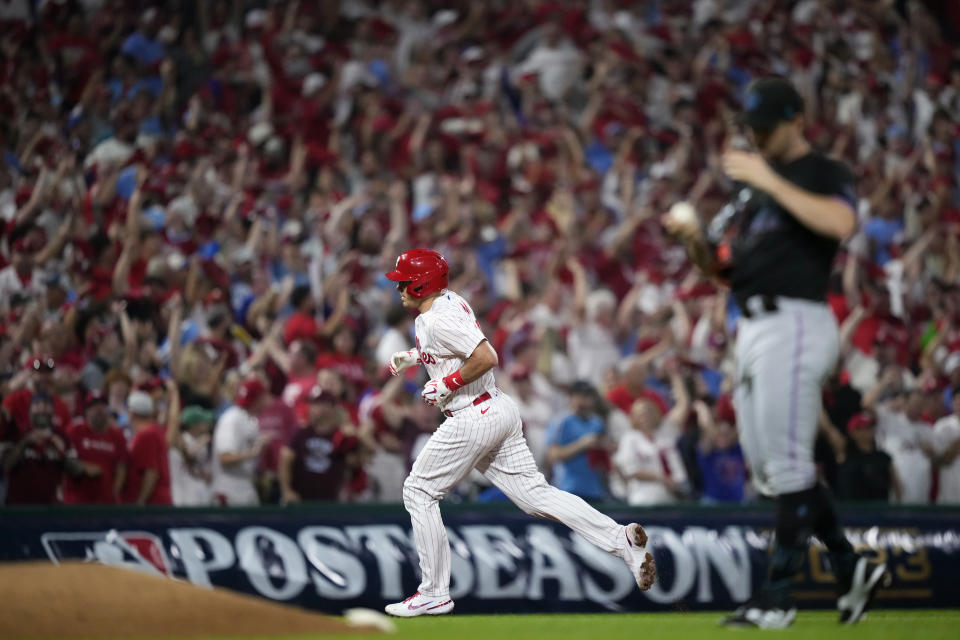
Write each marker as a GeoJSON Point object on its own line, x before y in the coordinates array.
{"type": "Point", "coordinates": [414, 494]}
{"type": "Point", "coordinates": [409, 492]}
{"type": "Point", "coordinates": [529, 501]}
{"type": "Point", "coordinates": [525, 505]}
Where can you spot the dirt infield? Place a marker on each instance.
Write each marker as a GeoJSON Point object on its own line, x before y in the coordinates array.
{"type": "Point", "coordinates": [76, 600]}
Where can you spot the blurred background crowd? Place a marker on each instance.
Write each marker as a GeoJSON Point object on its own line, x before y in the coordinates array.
{"type": "Point", "coordinates": [199, 200]}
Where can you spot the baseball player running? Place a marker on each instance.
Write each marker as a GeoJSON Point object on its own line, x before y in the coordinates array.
{"type": "Point", "coordinates": [482, 430]}
{"type": "Point", "coordinates": [775, 243]}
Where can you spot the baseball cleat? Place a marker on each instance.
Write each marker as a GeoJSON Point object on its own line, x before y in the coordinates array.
{"type": "Point", "coordinates": [420, 605]}
{"type": "Point", "coordinates": [765, 610]}
{"type": "Point", "coordinates": [637, 558]}
{"type": "Point", "coordinates": [756, 617]}
{"type": "Point", "coordinates": [868, 577]}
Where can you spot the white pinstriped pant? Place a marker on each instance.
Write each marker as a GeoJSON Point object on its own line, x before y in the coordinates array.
{"type": "Point", "coordinates": [488, 436]}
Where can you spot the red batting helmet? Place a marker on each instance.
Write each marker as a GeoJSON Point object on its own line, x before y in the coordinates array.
{"type": "Point", "coordinates": [425, 269]}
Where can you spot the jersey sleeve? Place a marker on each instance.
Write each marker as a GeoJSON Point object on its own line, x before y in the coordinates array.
{"type": "Point", "coordinates": [458, 331]}
{"type": "Point", "coordinates": [226, 437]}
{"type": "Point", "coordinates": [842, 183]}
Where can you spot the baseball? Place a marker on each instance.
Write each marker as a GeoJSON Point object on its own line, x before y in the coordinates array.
{"type": "Point", "coordinates": [683, 213]}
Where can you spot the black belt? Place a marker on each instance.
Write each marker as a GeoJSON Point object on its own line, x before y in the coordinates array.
{"type": "Point", "coordinates": [767, 302]}
{"type": "Point", "coordinates": [480, 399]}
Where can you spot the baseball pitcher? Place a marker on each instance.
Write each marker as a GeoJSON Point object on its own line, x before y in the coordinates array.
{"type": "Point", "coordinates": [775, 244]}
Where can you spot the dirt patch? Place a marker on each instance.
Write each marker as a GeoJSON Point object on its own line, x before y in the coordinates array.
{"type": "Point", "coordinates": [77, 600]}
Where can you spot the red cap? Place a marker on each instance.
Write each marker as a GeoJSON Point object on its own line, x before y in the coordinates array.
{"type": "Point", "coordinates": [724, 410]}
{"type": "Point", "coordinates": [41, 362]}
{"type": "Point", "coordinates": [656, 399]}
{"type": "Point", "coordinates": [862, 420]}
{"type": "Point", "coordinates": [248, 393]}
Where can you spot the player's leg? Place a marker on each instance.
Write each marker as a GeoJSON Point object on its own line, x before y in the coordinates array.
{"type": "Point", "coordinates": [451, 453]}
{"type": "Point", "coordinates": [784, 363]}
{"type": "Point", "coordinates": [512, 468]}
{"type": "Point", "coordinates": [749, 431]}
{"type": "Point", "coordinates": [857, 578]}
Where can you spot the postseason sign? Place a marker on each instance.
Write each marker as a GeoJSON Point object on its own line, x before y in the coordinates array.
{"type": "Point", "coordinates": [333, 558]}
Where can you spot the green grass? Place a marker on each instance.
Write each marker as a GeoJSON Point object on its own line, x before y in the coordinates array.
{"type": "Point", "coordinates": [810, 625]}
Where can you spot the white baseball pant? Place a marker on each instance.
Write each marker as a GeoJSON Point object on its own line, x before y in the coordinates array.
{"type": "Point", "coordinates": [783, 358]}
{"type": "Point", "coordinates": [489, 437]}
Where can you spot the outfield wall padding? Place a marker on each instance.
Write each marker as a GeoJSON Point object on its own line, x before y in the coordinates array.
{"type": "Point", "coordinates": [330, 558]}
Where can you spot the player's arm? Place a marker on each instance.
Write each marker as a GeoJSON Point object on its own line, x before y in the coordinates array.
{"type": "Point", "coordinates": [229, 458]}
{"type": "Point", "coordinates": [653, 476]}
{"type": "Point", "coordinates": [830, 216]}
{"type": "Point", "coordinates": [681, 395]}
{"type": "Point", "coordinates": [888, 380]}
{"type": "Point", "coordinates": [560, 452]}
{"type": "Point", "coordinates": [691, 234]}
{"type": "Point", "coordinates": [707, 426]}
{"type": "Point", "coordinates": [119, 479]}
{"type": "Point", "coordinates": [150, 479]}
{"type": "Point", "coordinates": [482, 359]}
{"type": "Point", "coordinates": [896, 484]}
{"type": "Point", "coordinates": [228, 447]}
{"type": "Point", "coordinates": [950, 454]}
{"type": "Point", "coordinates": [285, 475]}
{"type": "Point", "coordinates": [11, 456]}
{"type": "Point", "coordinates": [826, 215]}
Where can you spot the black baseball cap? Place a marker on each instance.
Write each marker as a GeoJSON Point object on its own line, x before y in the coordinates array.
{"type": "Point", "coordinates": [770, 101]}
{"type": "Point", "coordinates": [583, 388]}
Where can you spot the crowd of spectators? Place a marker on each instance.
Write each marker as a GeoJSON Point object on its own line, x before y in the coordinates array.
{"type": "Point", "coordinates": [199, 199]}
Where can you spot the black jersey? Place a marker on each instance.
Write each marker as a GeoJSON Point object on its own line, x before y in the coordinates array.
{"type": "Point", "coordinates": [765, 250]}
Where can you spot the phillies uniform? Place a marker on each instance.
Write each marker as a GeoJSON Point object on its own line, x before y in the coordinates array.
{"type": "Point", "coordinates": [482, 430]}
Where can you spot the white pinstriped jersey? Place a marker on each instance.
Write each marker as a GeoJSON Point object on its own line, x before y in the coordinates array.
{"type": "Point", "coordinates": [446, 336]}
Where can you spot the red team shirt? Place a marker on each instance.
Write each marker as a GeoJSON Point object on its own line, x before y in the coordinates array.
{"type": "Point", "coordinates": [36, 477]}
{"type": "Point", "coordinates": [106, 449]}
{"type": "Point", "coordinates": [18, 405]}
{"type": "Point", "coordinates": [148, 450]}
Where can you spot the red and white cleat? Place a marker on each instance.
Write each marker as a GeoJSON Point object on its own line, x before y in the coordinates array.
{"type": "Point", "coordinates": [420, 605]}
{"type": "Point", "coordinates": [637, 558]}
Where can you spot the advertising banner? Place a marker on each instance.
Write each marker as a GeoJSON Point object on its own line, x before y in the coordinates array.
{"type": "Point", "coordinates": [332, 558]}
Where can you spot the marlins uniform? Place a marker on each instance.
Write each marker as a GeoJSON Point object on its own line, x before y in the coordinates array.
{"type": "Point", "coordinates": [775, 244]}
{"type": "Point", "coordinates": [482, 430]}
{"type": "Point", "coordinates": [787, 340]}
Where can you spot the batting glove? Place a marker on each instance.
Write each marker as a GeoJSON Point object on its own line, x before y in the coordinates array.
{"type": "Point", "coordinates": [403, 360]}
{"type": "Point", "coordinates": [436, 392]}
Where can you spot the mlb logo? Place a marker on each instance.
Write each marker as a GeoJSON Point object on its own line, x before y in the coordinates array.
{"type": "Point", "coordinates": [137, 550]}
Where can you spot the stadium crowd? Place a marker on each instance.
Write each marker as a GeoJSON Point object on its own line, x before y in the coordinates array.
{"type": "Point", "coordinates": [199, 201]}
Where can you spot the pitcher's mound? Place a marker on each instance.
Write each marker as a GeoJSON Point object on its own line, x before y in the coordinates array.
{"type": "Point", "coordinates": [76, 600]}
